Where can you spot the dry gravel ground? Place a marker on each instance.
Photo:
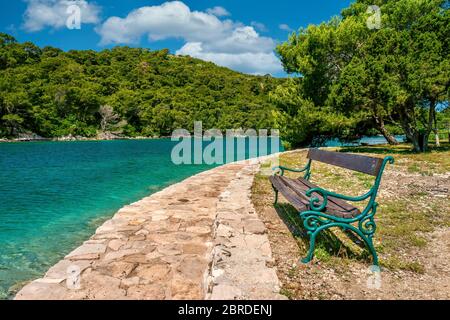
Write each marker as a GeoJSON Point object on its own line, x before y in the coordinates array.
{"type": "Point", "coordinates": [413, 236]}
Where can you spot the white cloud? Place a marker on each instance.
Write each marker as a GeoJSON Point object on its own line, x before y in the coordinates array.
{"type": "Point", "coordinates": [168, 20]}
{"type": "Point", "coordinates": [285, 27]}
{"type": "Point", "coordinates": [259, 26]}
{"type": "Point", "coordinates": [247, 62]}
{"type": "Point", "coordinates": [207, 37]}
{"type": "Point", "coordinates": [53, 13]}
{"type": "Point", "coordinates": [241, 40]}
{"type": "Point", "coordinates": [218, 11]}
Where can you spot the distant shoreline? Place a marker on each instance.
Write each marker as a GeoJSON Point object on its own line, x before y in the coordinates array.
{"type": "Point", "coordinates": [75, 139]}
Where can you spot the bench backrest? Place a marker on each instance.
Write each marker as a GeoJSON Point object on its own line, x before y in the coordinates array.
{"type": "Point", "coordinates": [364, 164]}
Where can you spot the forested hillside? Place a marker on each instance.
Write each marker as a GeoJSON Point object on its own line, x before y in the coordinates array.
{"type": "Point", "coordinates": [132, 91]}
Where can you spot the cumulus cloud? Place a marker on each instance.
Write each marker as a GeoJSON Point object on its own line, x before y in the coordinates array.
{"type": "Point", "coordinates": [207, 37]}
{"type": "Point", "coordinates": [247, 62]}
{"type": "Point", "coordinates": [241, 40]}
{"type": "Point", "coordinates": [218, 11]}
{"type": "Point", "coordinates": [168, 20]}
{"type": "Point", "coordinates": [285, 27]}
{"type": "Point", "coordinates": [259, 26]}
{"type": "Point", "coordinates": [53, 13]}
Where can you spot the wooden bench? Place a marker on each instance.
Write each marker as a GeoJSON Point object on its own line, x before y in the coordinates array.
{"type": "Point", "coordinates": [321, 209]}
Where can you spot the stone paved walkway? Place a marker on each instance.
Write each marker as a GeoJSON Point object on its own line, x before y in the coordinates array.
{"type": "Point", "coordinates": [242, 250]}
{"type": "Point", "coordinates": [198, 239]}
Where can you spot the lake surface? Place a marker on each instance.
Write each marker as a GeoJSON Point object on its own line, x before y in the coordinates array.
{"type": "Point", "coordinates": [53, 195]}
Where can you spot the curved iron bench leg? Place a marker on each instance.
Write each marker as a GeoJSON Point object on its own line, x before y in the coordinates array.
{"type": "Point", "coordinates": [276, 195]}
{"type": "Point", "coordinates": [313, 231]}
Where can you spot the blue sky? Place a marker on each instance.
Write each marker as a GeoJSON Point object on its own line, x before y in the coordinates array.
{"type": "Point", "coordinates": [240, 34]}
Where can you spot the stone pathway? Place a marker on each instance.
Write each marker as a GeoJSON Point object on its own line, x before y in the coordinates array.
{"type": "Point", "coordinates": [198, 239]}
{"type": "Point", "coordinates": [242, 253]}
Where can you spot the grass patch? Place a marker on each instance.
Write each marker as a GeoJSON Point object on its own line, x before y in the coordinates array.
{"type": "Point", "coordinates": [394, 263]}
{"type": "Point", "coordinates": [287, 293]}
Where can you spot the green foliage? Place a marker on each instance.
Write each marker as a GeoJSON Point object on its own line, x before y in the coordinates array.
{"type": "Point", "coordinates": [302, 122]}
{"type": "Point", "coordinates": [394, 77]}
{"type": "Point", "coordinates": [58, 93]}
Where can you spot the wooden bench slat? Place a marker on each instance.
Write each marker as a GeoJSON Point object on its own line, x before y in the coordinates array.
{"type": "Point", "coordinates": [294, 191]}
{"type": "Point", "coordinates": [296, 202]}
{"type": "Point", "coordinates": [364, 164]}
{"type": "Point", "coordinates": [335, 206]}
{"type": "Point", "coordinates": [339, 202]}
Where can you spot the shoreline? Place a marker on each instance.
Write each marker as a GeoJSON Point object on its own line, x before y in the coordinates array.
{"type": "Point", "coordinates": [169, 235]}
{"type": "Point", "coordinates": [77, 139]}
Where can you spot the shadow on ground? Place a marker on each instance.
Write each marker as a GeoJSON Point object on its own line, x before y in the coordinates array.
{"type": "Point", "coordinates": [328, 244]}
{"type": "Point", "coordinates": [400, 149]}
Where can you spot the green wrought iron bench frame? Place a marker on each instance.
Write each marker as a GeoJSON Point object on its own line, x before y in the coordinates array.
{"type": "Point", "coordinates": [316, 219]}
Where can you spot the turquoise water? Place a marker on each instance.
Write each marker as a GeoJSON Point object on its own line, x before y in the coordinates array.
{"type": "Point", "coordinates": [364, 140]}
{"type": "Point", "coordinates": [53, 195]}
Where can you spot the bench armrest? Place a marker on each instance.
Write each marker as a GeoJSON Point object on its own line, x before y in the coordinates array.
{"type": "Point", "coordinates": [316, 205]}
{"type": "Point", "coordinates": [282, 169]}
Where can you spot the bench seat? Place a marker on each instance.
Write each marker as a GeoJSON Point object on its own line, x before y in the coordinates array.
{"type": "Point", "coordinates": [294, 191]}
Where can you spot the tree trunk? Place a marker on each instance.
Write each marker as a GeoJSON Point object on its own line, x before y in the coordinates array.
{"type": "Point", "coordinates": [436, 137]}
{"type": "Point", "coordinates": [379, 122]}
{"type": "Point", "coordinates": [415, 140]}
{"type": "Point", "coordinates": [103, 124]}
{"type": "Point", "coordinates": [412, 135]}
{"type": "Point", "coordinates": [431, 121]}
{"type": "Point", "coordinates": [423, 141]}
{"type": "Point", "coordinates": [436, 131]}
{"type": "Point", "coordinates": [389, 137]}
{"type": "Point", "coordinates": [407, 120]}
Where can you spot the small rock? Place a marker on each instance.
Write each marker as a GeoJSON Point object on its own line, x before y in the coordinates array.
{"type": "Point", "coordinates": [129, 282]}
{"type": "Point", "coordinates": [136, 222]}
{"type": "Point", "coordinates": [119, 254]}
{"type": "Point", "coordinates": [60, 270]}
{"type": "Point", "coordinates": [142, 232]}
{"type": "Point", "coordinates": [199, 230]}
{"type": "Point", "coordinates": [117, 269]}
{"type": "Point", "coordinates": [225, 292]}
{"type": "Point", "coordinates": [192, 267]}
{"type": "Point", "coordinates": [254, 227]}
{"type": "Point", "coordinates": [87, 250]}
{"type": "Point", "coordinates": [153, 255]}
{"type": "Point", "coordinates": [224, 231]}
{"type": "Point", "coordinates": [113, 235]}
{"type": "Point", "coordinates": [169, 250]}
{"type": "Point", "coordinates": [185, 289]}
{"type": "Point", "coordinates": [151, 274]}
{"type": "Point", "coordinates": [116, 244]}
{"type": "Point", "coordinates": [50, 281]}
{"type": "Point", "coordinates": [146, 292]}
{"type": "Point", "coordinates": [194, 248]}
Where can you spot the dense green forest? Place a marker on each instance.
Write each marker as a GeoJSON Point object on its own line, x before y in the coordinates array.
{"type": "Point", "coordinates": [132, 91]}
{"type": "Point", "coordinates": [349, 78]}
{"type": "Point", "coordinates": [393, 77]}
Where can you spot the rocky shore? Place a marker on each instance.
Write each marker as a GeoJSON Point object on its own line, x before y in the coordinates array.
{"type": "Point", "coordinates": [100, 137]}
{"type": "Point", "coordinates": [198, 239]}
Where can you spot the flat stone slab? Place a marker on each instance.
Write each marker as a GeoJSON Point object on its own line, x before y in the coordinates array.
{"type": "Point", "coordinates": [86, 250]}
